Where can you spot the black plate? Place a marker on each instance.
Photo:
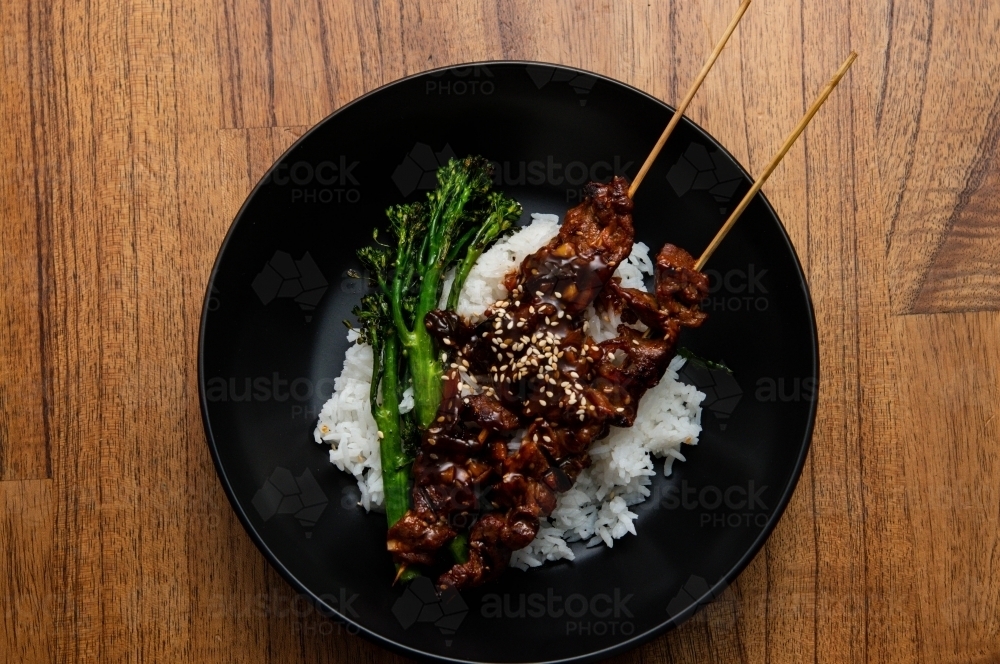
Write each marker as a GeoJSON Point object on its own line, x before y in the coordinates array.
{"type": "Point", "coordinates": [272, 341]}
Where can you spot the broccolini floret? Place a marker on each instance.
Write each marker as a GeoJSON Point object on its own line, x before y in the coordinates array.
{"type": "Point", "coordinates": [452, 228]}
{"type": "Point", "coordinates": [459, 220]}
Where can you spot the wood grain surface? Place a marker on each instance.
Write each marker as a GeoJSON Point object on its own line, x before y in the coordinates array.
{"type": "Point", "coordinates": [130, 133]}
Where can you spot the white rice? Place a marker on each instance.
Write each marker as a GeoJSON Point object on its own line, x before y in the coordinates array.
{"type": "Point", "coordinates": [595, 510]}
{"type": "Point", "coordinates": [484, 285]}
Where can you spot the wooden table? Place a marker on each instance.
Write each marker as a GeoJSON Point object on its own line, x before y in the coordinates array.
{"type": "Point", "coordinates": [130, 133]}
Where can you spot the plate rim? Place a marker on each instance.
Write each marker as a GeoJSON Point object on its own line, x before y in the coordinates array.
{"type": "Point", "coordinates": [670, 623]}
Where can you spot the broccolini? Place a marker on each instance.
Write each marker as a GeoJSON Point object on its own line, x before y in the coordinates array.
{"type": "Point", "coordinates": [459, 220]}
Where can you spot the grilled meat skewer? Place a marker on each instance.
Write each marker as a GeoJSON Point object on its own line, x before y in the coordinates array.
{"type": "Point", "coordinates": [532, 365]}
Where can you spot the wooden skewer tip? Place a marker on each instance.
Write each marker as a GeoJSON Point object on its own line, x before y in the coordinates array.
{"type": "Point", "coordinates": [785, 147]}
{"type": "Point", "coordinates": [679, 113]}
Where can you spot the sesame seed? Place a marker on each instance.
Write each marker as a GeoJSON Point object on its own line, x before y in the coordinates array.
{"type": "Point", "coordinates": [447, 341]}
{"type": "Point", "coordinates": [541, 402]}
{"type": "Point", "coordinates": [546, 439]}
{"type": "Point", "coordinates": [619, 410]}
{"type": "Point", "coordinates": [510, 325]}
{"type": "Point", "coordinates": [558, 295]}
{"type": "Point", "coordinates": [381, 435]}
{"type": "Point", "coordinates": [560, 313]}
{"type": "Point", "coordinates": [441, 418]}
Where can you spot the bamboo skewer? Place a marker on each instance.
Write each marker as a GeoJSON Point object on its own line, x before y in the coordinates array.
{"type": "Point", "coordinates": [762, 178]}
{"type": "Point", "coordinates": [679, 113]}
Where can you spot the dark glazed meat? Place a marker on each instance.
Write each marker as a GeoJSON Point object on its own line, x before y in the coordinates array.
{"type": "Point", "coordinates": [532, 365]}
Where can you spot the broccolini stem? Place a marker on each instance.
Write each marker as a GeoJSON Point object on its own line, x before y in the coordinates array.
{"type": "Point", "coordinates": [501, 214]}
{"type": "Point", "coordinates": [461, 274]}
{"type": "Point", "coordinates": [425, 368]}
{"type": "Point", "coordinates": [395, 465]}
